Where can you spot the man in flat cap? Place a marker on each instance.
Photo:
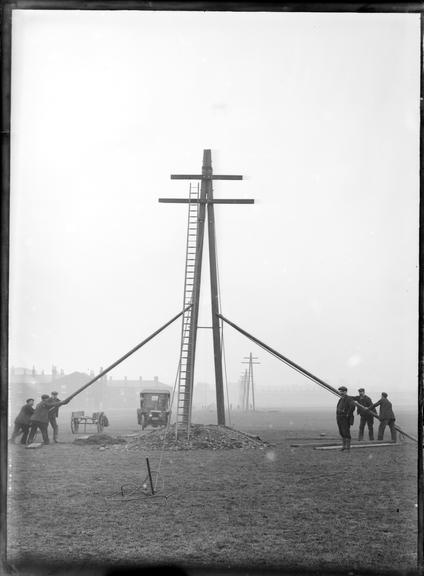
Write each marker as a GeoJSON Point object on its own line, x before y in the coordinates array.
{"type": "Point", "coordinates": [366, 417]}
{"type": "Point", "coordinates": [40, 419]}
{"type": "Point", "coordinates": [344, 415]}
{"type": "Point", "coordinates": [387, 417]}
{"type": "Point", "coordinates": [53, 414]}
{"type": "Point", "coordinates": [22, 421]}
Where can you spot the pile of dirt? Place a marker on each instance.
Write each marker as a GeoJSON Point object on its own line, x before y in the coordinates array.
{"type": "Point", "coordinates": [210, 437]}
{"type": "Point", "coordinates": [100, 440]}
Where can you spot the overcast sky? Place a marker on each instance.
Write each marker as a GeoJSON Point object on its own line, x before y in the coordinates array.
{"type": "Point", "coordinates": [318, 112]}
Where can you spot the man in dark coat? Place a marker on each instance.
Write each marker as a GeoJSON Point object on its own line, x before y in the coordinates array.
{"type": "Point", "coordinates": [22, 421]}
{"type": "Point", "coordinates": [53, 414]}
{"type": "Point", "coordinates": [40, 419]}
{"type": "Point", "coordinates": [387, 416]}
{"type": "Point", "coordinates": [344, 415]}
{"type": "Point", "coordinates": [366, 417]}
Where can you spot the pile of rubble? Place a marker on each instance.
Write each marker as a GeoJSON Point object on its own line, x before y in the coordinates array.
{"type": "Point", "coordinates": [210, 437]}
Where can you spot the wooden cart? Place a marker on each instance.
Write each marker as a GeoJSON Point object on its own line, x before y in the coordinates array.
{"type": "Point", "coordinates": [78, 419]}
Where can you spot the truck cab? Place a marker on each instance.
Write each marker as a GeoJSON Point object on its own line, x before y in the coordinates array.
{"type": "Point", "coordinates": [154, 408]}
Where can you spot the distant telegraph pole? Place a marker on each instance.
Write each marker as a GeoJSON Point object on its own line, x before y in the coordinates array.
{"type": "Point", "coordinates": [245, 391]}
{"type": "Point", "coordinates": [249, 382]}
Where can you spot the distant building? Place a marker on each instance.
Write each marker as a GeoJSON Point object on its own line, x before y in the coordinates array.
{"type": "Point", "coordinates": [106, 393]}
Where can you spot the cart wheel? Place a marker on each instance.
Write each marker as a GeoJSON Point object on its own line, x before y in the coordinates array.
{"type": "Point", "coordinates": [74, 425]}
{"type": "Point", "coordinates": [100, 424]}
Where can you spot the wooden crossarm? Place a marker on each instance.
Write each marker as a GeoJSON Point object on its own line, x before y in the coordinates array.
{"type": "Point", "coordinates": [202, 201]}
{"type": "Point", "coordinates": [201, 177]}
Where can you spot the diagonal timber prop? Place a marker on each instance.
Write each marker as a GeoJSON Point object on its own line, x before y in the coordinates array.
{"type": "Point", "coordinates": [306, 373]}
{"type": "Point", "coordinates": [124, 357]}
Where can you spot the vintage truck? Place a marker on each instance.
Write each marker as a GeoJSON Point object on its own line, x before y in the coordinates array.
{"type": "Point", "coordinates": [154, 407]}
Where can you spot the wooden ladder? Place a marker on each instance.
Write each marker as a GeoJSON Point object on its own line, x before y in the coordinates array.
{"type": "Point", "coordinates": [188, 329]}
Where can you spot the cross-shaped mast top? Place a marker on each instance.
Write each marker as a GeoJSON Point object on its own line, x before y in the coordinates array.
{"type": "Point", "coordinates": [206, 176]}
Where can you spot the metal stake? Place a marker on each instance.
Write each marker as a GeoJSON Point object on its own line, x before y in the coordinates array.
{"type": "Point", "coordinates": [150, 477]}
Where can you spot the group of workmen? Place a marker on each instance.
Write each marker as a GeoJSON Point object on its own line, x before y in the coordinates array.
{"type": "Point", "coordinates": [366, 411]}
{"type": "Point", "coordinates": [30, 419]}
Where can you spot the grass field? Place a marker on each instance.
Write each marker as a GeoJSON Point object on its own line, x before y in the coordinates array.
{"type": "Point", "coordinates": [255, 508]}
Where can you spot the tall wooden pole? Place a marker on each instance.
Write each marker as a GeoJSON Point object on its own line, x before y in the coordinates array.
{"type": "Point", "coordinates": [251, 382]}
{"type": "Point", "coordinates": [206, 198]}
{"type": "Point", "coordinates": [217, 350]}
{"type": "Point", "coordinates": [247, 384]}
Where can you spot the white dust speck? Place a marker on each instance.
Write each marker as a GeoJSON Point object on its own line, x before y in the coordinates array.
{"type": "Point", "coordinates": [270, 455]}
{"type": "Point", "coordinates": [354, 360]}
